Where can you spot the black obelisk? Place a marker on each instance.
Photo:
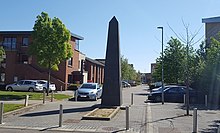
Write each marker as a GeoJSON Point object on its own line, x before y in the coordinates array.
{"type": "Point", "coordinates": [112, 92]}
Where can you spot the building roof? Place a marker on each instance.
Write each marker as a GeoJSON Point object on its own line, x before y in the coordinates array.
{"type": "Point", "coordinates": [211, 20]}
{"type": "Point", "coordinates": [94, 61]}
{"type": "Point", "coordinates": [101, 61]}
{"type": "Point", "coordinates": [29, 32]}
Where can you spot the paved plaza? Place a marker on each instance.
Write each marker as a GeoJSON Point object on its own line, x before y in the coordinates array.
{"type": "Point", "coordinates": [144, 117]}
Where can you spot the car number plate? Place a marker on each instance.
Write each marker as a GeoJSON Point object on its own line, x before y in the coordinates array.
{"type": "Point", "coordinates": [83, 96]}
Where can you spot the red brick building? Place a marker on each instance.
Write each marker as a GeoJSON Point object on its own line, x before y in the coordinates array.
{"type": "Point", "coordinates": [95, 69]}
{"type": "Point", "coordinates": [18, 65]}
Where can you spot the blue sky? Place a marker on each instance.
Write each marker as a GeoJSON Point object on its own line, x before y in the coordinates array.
{"type": "Point", "coordinates": [140, 40]}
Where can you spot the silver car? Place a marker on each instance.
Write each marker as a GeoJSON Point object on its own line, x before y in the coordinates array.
{"type": "Point", "coordinates": [91, 91]}
{"type": "Point", "coordinates": [44, 83]}
{"type": "Point", "coordinates": [25, 85]}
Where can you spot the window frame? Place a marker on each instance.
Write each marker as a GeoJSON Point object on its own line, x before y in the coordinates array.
{"type": "Point", "coordinates": [24, 44]}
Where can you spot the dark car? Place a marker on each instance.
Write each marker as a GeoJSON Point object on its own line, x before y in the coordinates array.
{"type": "Point", "coordinates": [174, 94]}
{"type": "Point", "coordinates": [125, 84]}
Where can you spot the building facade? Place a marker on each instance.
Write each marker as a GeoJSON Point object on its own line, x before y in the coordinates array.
{"type": "Point", "coordinates": [95, 69]}
{"type": "Point", "coordinates": [212, 28]}
{"type": "Point", "coordinates": [18, 64]}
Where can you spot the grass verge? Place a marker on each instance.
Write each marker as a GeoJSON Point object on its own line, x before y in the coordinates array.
{"type": "Point", "coordinates": [6, 95]}
{"type": "Point", "coordinates": [11, 107]}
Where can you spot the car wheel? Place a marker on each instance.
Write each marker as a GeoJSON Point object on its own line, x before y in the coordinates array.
{"type": "Point", "coordinates": [9, 89]}
{"type": "Point", "coordinates": [158, 99]}
{"type": "Point", "coordinates": [31, 89]}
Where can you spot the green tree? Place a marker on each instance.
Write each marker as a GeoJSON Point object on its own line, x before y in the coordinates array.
{"type": "Point", "coordinates": [211, 77]}
{"type": "Point", "coordinates": [173, 63]}
{"type": "Point", "coordinates": [50, 42]}
{"type": "Point", "coordinates": [199, 68]}
{"type": "Point", "coordinates": [127, 71]}
{"type": "Point", "coordinates": [124, 68]}
{"type": "Point", "coordinates": [2, 52]}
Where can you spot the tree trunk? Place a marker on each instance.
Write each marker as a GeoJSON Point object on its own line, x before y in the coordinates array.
{"type": "Point", "coordinates": [48, 82]}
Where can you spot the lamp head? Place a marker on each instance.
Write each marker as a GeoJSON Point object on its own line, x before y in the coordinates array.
{"type": "Point", "coordinates": [160, 27]}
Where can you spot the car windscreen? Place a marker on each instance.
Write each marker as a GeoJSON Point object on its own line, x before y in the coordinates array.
{"type": "Point", "coordinates": [88, 86]}
{"type": "Point", "coordinates": [41, 82]}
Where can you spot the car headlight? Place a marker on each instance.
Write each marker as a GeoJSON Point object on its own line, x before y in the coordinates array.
{"type": "Point", "coordinates": [92, 92]}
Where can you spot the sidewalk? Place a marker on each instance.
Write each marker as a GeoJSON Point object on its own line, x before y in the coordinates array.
{"type": "Point", "coordinates": [171, 118]}
{"type": "Point", "coordinates": [46, 117]}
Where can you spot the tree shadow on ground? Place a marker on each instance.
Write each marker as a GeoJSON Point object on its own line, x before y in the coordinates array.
{"type": "Point", "coordinates": [213, 128]}
{"type": "Point", "coordinates": [199, 107]}
{"type": "Point", "coordinates": [11, 97]}
{"type": "Point", "coordinates": [65, 111]}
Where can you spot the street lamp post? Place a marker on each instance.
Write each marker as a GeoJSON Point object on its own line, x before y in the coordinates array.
{"type": "Point", "coordinates": [162, 97]}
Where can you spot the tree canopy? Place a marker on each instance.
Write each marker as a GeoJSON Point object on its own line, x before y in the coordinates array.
{"type": "Point", "coordinates": [2, 52]}
{"type": "Point", "coordinates": [175, 59]}
{"type": "Point", "coordinates": [50, 42]}
{"type": "Point", "coordinates": [127, 70]}
{"type": "Point", "coordinates": [173, 63]}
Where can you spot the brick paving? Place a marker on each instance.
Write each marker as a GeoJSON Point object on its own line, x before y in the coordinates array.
{"type": "Point", "coordinates": [144, 117]}
{"type": "Point", "coordinates": [46, 117]}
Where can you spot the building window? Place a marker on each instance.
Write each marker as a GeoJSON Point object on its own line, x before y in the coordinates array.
{"type": "Point", "coordinates": [2, 79]}
{"type": "Point", "coordinates": [16, 79]}
{"type": "Point", "coordinates": [24, 59]}
{"type": "Point", "coordinates": [77, 44]}
{"type": "Point", "coordinates": [70, 62]}
{"type": "Point", "coordinates": [79, 64]}
{"type": "Point", "coordinates": [9, 43]}
{"type": "Point", "coordinates": [25, 41]}
{"type": "Point", "coordinates": [70, 78]}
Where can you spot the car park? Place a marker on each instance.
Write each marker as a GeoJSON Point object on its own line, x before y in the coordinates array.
{"type": "Point", "coordinates": [174, 94]}
{"type": "Point", "coordinates": [91, 91]}
{"type": "Point", "coordinates": [25, 85]}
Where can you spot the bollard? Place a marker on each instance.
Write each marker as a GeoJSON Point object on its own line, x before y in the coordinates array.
{"type": "Point", "coordinates": [127, 118]}
{"type": "Point", "coordinates": [61, 116]}
{"type": "Point", "coordinates": [61, 88]}
{"type": "Point", "coordinates": [44, 96]}
{"type": "Point", "coordinates": [206, 100]}
{"type": "Point", "coordinates": [195, 124]}
{"type": "Point", "coordinates": [184, 99]}
{"type": "Point", "coordinates": [26, 101]}
{"type": "Point", "coordinates": [218, 130]}
{"type": "Point", "coordinates": [52, 95]}
{"type": "Point", "coordinates": [132, 98]}
{"type": "Point", "coordinates": [76, 95]}
{"type": "Point", "coordinates": [1, 112]}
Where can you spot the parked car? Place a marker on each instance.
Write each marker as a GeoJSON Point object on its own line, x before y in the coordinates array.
{"type": "Point", "coordinates": [25, 85]}
{"type": "Point", "coordinates": [2, 86]}
{"type": "Point", "coordinates": [131, 82]}
{"type": "Point", "coordinates": [125, 84]}
{"type": "Point", "coordinates": [159, 89]}
{"type": "Point", "coordinates": [174, 94]}
{"type": "Point", "coordinates": [52, 86]}
{"type": "Point", "coordinates": [155, 85]}
{"type": "Point", "coordinates": [91, 91]}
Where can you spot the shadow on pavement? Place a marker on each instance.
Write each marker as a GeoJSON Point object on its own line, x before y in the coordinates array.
{"type": "Point", "coordinates": [11, 97]}
{"type": "Point", "coordinates": [53, 112]}
{"type": "Point", "coordinates": [199, 107]}
{"type": "Point", "coordinates": [213, 127]}
{"type": "Point", "coordinates": [48, 128]}
{"type": "Point", "coordinates": [168, 118]}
